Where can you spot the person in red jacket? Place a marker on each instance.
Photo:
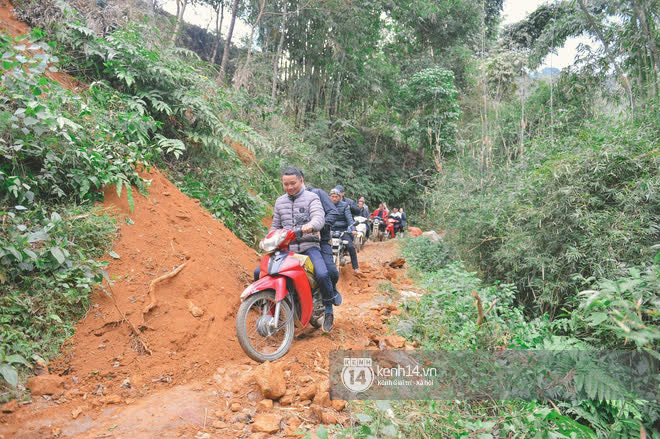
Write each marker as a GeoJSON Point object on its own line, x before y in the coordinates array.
{"type": "Point", "coordinates": [381, 211]}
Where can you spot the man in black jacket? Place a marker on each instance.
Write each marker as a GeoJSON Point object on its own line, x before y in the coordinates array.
{"type": "Point", "coordinates": [404, 221]}
{"type": "Point", "coordinates": [331, 216]}
{"type": "Point", "coordinates": [345, 223]}
{"type": "Point", "coordinates": [355, 210]}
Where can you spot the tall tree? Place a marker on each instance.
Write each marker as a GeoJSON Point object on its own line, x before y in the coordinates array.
{"type": "Point", "coordinates": [278, 55]}
{"type": "Point", "coordinates": [230, 32]}
{"type": "Point", "coordinates": [599, 32]}
{"type": "Point", "coordinates": [244, 74]}
{"type": "Point", "coordinates": [219, 9]}
{"type": "Point", "coordinates": [180, 10]}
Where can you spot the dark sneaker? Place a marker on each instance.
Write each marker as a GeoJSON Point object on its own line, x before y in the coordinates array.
{"type": "Point", "coordinates": [328, 322]}
{"type": "Point", "coordinates": [337, 298]}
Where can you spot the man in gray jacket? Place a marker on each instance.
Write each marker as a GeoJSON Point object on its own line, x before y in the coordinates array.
{"type": "Point", "coordinates": [290, 208]}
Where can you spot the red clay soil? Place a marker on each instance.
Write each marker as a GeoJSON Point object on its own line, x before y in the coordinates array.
{"type": "Point", "coordinates": [167, 230]}
{"type": "Point", "coordinates": [246, 156]}
{"type": "Point", "coordinates": [16, 28]}
{"type": "Point", "coordinates": [197, 370]}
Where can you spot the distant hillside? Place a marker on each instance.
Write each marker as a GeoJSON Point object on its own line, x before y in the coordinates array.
{"type": "Point", "coordinates": [547, 72]}
{"type": "Point", "coordinates": [104, 17]}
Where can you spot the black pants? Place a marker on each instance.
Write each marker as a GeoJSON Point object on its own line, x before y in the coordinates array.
{"type": "Point", "coordinates": [351, 250]}
{"type": "Point", "coordinates": [326, 252]}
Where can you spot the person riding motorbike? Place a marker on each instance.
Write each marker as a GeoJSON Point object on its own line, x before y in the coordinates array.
{"type": "Point", "coordinates": [289, 208]}
{"type": "Point", "coordinates": [381, 211]}
{"type": "Point", "coordinates": [364, 209]}
{"type": "Point", "coordinates": [345, 223]}
{"type": "Point", "coordinates": [396, 216]}
{"type": "Point", "coordinates": [355, 210]}
{"type": "Point", "coordinates": [331, 216]}
{"type": "Point", "coordinates": [364, 212]}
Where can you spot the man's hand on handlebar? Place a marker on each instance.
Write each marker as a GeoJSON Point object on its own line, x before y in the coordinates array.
{"type": "Point", "coordinates": [307, 228]}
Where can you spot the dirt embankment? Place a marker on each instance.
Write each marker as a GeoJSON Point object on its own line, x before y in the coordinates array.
{"type": "Point", "coordinates": [197, 382]}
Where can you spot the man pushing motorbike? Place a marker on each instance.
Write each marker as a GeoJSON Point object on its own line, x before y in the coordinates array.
{"type": "Point", "coordinates": [296, 205]}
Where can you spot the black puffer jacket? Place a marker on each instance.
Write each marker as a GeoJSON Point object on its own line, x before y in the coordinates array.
{"type": "Point", "coordinates": [355, 210]}
{"type": "Point", "coordinates": [344, 219]}
{"type": "Point", "coordinates": [331, 213]}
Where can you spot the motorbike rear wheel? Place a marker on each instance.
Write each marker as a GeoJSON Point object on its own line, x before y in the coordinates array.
{"type": "Point", "coordinates": [261, 341]}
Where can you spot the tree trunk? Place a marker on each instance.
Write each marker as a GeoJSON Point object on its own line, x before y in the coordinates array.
{"type": "Point", "coordinates": [218, 30]}
{"type": "Point", "coordinates": [610, 55]}
{"type": "Point", "coordinates": [338, 91]}
{"type": "Point", "coordinates": [225, 54]}
{"type": "Point", "coordinates": [244, 74]}
{"type": "Point", "coordinates": [180, 10]}
{"type": "Point", "coordinates": [640, 12]}
{"type": "Point", "coordinates": [280, 45]}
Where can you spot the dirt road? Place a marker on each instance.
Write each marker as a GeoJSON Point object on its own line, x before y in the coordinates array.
{"type": "Point", "coordinates": [197, 382]}
{"type": "Point", "coordinates": [221, 399]}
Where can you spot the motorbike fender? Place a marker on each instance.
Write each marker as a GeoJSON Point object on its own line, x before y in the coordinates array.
{"type": "Point", "coordinates": [277, 283]}
{"type": "Point", "coordinates": [263, 266]}
{"type": "Point", "coordinates": [299, 278]}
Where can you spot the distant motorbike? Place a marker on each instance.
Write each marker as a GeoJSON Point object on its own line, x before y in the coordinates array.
{"type": "Point", "coordinates": [378, 231]}
{"type": "Point", "coordinates": [362, 227]}
{"type": "Point", "coordinates": [339, 248]}
{"type": "Point", "coordinates": [390, 230]}
{"type": "Point", "coordinates": [286, 295]}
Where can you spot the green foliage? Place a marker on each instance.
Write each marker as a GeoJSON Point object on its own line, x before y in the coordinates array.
{"type": "Point", "coordinates": [445, 319]}
{"type": "Point", "coordinates": [224, 191]}
{"type": "Point", "coordinates": [47, 274]}
{"type": "Point", "coordinates": [585, 206]}
{"type": "Point", "coordinates": [620, 311]}
{"type": "Point", "coordinates": [431, 110]}
{"type": "Point", "coordinates": [170, 84]}
{"type": "Point", "coordinates": [425, 255]}
{"type": "Point", "coordinates": [48, 164]}
{"type": "Point", "coordinates": [7, 370]}
{"type": "Point", "coordinates": [45, 154]}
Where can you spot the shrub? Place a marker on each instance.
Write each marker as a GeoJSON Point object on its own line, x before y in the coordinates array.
{"type": "Point", "coordinates": [585, 207]}
{"type": "Point", "coordinates": [425, 255]}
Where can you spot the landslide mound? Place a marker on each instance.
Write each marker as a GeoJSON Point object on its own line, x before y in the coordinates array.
{"type": "Point", "coordinates": [165, 230]}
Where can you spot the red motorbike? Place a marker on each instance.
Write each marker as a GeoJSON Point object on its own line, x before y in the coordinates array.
{"type": "Point", "coordinates": [389, 230]}
{"type": "Point", "coordinates": [285, 295]}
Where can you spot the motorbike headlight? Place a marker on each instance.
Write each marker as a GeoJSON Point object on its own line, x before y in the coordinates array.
{"type": "Point", "coordinates": [272, 241]}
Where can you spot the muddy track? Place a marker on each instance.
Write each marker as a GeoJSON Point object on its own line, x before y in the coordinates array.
{"type": "Point", "coordinates": [220, 398]}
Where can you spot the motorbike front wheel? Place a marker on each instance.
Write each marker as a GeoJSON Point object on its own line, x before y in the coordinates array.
{"type": "Point", "coordinates": [259, 335]}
